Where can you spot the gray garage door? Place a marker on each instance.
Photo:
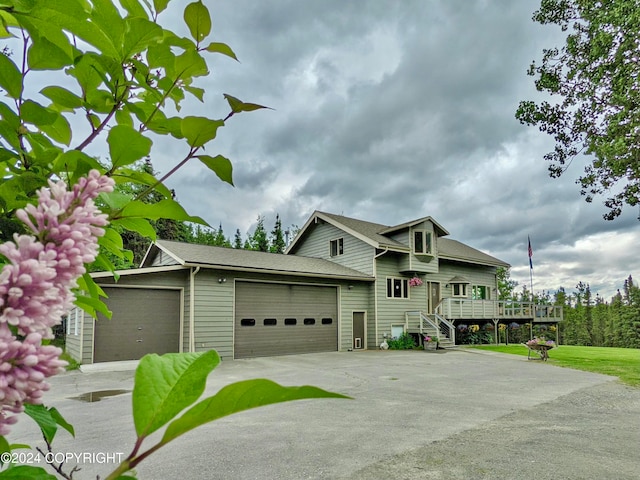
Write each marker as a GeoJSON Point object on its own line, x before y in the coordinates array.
{"type": "Point", "coordinates": [278, 319]}
{"type": "Point", "coordinates": [144, 321]}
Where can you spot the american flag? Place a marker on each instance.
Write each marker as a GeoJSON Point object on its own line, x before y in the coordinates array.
{"type": "Point", "coordinates": [530, 253]}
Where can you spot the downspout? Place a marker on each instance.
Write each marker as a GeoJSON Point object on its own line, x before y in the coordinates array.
{"type": "Point", "coordinates": [375, 290]}
{"type": "Point", "coordinates": [192, 309]}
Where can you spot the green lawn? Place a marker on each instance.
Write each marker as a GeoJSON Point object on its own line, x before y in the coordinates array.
{"type": "Point", "coordinates": [623, 363]}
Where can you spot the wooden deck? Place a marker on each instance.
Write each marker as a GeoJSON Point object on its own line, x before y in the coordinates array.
{"type": "Point", "coordinates": [467, 309]}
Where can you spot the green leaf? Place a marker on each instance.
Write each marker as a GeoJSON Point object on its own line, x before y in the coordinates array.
{"type": "Point", "coordinates": [222, 48]}
{"type": "Point", "coordinates": [112, 241]}
{"type": "Point", "coordinates": [133, 8]}
{"type": "Point", "coordinates": [60, 420]}
{"type": "Point", "coordinates": [160, 5]}
{"type": "Point", "coordinates": [238, 397]}
{"type": "Point", "coordinates": [45, 55]}
{"type": "Point", "coordinates": [76, 162]}
{"type": "Point", "coordinates": [115, 200]}
{"type": "Point", "coordinates": [190, 64]}
{"type": "Point", "coordinates": [61, 96]}
{"type": "Point", "coordinates": [165, 385]}
{"type": "Point", "coordinates": [196, 92]}
{"type": "Point", "coordinates": [139, 34]}
{"type": "Point", "coordinates": [36, 114]}
{"type": "Point", "coordinates": [10, 77]}
{"type": "Point", "coordinates": [220, 165]}
{"type": "Point", "coordinates": [165, 126]}
{"type": "Point", "coordinates": [166, 208]}
{"type": "Point", "coordinates": [4, 447]}
{"type": "Point", "coordinates": [43, 418]}
{"type": "Point", "coordinates": [92, 306]}
{"type": "Point", "coordinates": [128, 175]}
{"type": "Point", "coordinates": [197, 18]}
{"type": "Point", "coordinates": [139, 225]}
{"type": "Point", "coordinates": [87, 284]}
{"type": "Point", "coordinates": [238, 106]}
{"type": "Point", "coordinates": [199, 130]}
{"type": "Point", "coordinates": [59, 131]}
{"type": "Point", "coordinates": [22, 472]}
{"type": "Point", "coordinates": [126, 145]}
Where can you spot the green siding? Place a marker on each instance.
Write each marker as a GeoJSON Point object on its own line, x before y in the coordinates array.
{"type": "Point", "coordinates": [391, 311]}
{"type": "Point", "coordinates": [357, 254]}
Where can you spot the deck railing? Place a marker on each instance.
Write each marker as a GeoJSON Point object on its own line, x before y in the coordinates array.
{"type": "Point", "coordinates": [444, 330]}
{"type": "Point", "coordinates": [456, 308]}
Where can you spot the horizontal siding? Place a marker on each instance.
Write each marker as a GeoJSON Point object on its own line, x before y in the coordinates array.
{"type": "Point", "coordinates": [352, 300]}
{"type": "Point", "coordinates": [357, 254]}
{"type": "Point", "coordinates": [391, 311]}
{"type": "Point", "coordinates": [476, 274]}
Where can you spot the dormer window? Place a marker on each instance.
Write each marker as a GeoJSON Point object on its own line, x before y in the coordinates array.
{"type": "Point", "coordinates": [422, 242]}
{"type": "Point", "coordinates": [336, 247]}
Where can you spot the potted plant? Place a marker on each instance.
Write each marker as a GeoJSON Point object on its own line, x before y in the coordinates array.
{"type": "Point", "coordinates": [415, 282]}
{"type": "Point", "coordinates": [430, 343]}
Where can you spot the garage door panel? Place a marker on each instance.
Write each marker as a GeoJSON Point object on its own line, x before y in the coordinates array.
{"type": "Point", "coordinates": [297, 311]}
{"type": "Point", "coordinates": [143, 321]}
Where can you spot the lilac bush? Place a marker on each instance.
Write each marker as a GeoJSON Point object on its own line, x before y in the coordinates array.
{"type": "Point", "coordinates": [36, 285]}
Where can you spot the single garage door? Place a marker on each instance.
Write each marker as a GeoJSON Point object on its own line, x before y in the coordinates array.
{"type": "Point", "coordinates": [282, 319]}
{"type": "Point", "coordinates": [144, 321]}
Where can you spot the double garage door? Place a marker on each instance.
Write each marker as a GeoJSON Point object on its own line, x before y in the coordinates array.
{"type": "Point", "coordinates": [144, 321]}
{"type": "Point", "coordinates": [284, 319]}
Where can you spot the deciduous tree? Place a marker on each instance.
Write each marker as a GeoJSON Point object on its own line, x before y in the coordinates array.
{"type": "Point", "coordinates": [594, 80]}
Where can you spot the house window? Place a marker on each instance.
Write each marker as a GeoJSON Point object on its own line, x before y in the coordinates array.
{"type": "Point", "coordinates": [459, 289]}
{"type": "Point", "coordinates": [248, 322]}
{"type": "Point", "coordinates": [480, 292]}
{"type": "Point", "coordinates": [290, 321]}
{"type": "Point", "coordinates": [397, 287]}
{"type": "Point", "coordinates": [327, 321]}
{"type": "Point", "coordinates": [269, 322]}
{"type": "Point", "coordinates": [73, 321]}
{"type": "Point", "coordinates": [422, 242]}
{"type": "Point", "coordinates": [336, 247]}
{"type": "Point", "coordinates": [309, 321]}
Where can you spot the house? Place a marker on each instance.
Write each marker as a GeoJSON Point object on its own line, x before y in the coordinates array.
{"type": "Point", "coordinates": [342, 284]}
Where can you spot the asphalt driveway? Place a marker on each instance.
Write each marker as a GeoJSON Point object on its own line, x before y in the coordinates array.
{"type": "Point", "coordinates": [462, 414]}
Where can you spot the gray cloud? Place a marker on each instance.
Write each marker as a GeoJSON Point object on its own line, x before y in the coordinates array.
{"type": "Point", "coordinates": [389, 111]}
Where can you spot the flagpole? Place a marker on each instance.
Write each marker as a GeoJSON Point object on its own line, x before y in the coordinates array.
{"type": "Point", "coordinates": [530, 251]}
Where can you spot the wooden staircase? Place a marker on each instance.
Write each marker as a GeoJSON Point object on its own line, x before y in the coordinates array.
{"type": "Point", "coordinates": [433, 325]}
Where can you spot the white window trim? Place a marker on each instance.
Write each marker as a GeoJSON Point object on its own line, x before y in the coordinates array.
{"type": "Point", "coordinates": [425, 234]}
{"type": "Point", "coordinates": [464, 294]}
{"type": "Point", "coordinates": [405, 295]}
{"type": "Point", "coordinates": [487, 289]}
{"type": "Point", "coordinates": [74, 318]}
{"type": "Point", "coordinates": [339, 242]}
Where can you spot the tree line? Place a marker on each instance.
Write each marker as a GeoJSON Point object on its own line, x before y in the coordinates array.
{"type": "Point", "coordinates": [588, 319]}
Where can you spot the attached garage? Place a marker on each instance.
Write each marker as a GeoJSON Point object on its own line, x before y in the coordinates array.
{"type": "Point", "coordinates": [284, 319]}
{"type": "Point", "coordinates": [144, 320]}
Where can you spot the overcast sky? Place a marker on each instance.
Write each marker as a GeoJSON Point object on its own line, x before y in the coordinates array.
{"type": "Point", "coordinates": [389, 111]}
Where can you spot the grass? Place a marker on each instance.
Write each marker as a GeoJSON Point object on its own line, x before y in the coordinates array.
{"type": "Point", "coordinates": [73, 363]}
{"type": "Point", "coordinates": [623, 363]}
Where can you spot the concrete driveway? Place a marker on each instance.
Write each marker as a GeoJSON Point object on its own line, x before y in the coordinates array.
{"type": "Point", "coordinates": [461, 414]}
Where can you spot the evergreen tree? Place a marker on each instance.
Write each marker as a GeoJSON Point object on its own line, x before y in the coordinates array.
{"type": "Point", "coordinates": [237, 240]}
{"type": "Point", "coordinates": [220, 240]}
{"type": "Point", "coordinates": [277, 237]}
{"type": "Point", "coordinates": [259, 240]}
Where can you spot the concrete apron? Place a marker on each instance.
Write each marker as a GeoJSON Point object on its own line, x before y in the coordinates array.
{"type": "Point", "coordinates": [402, 400]}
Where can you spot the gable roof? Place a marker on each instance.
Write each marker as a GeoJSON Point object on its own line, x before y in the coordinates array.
{"type": "Point", "coordinates": [188, 254]}
{"type": "Point", "coordinates": [375, 235]}
{"type": "Point", "coordinates": [368, 232]}
{"type": "Point", "coordinates": [449, 249]}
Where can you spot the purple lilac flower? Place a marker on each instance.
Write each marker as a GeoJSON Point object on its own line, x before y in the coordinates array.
{"type": "Point", "coordinates": [36, 283]}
